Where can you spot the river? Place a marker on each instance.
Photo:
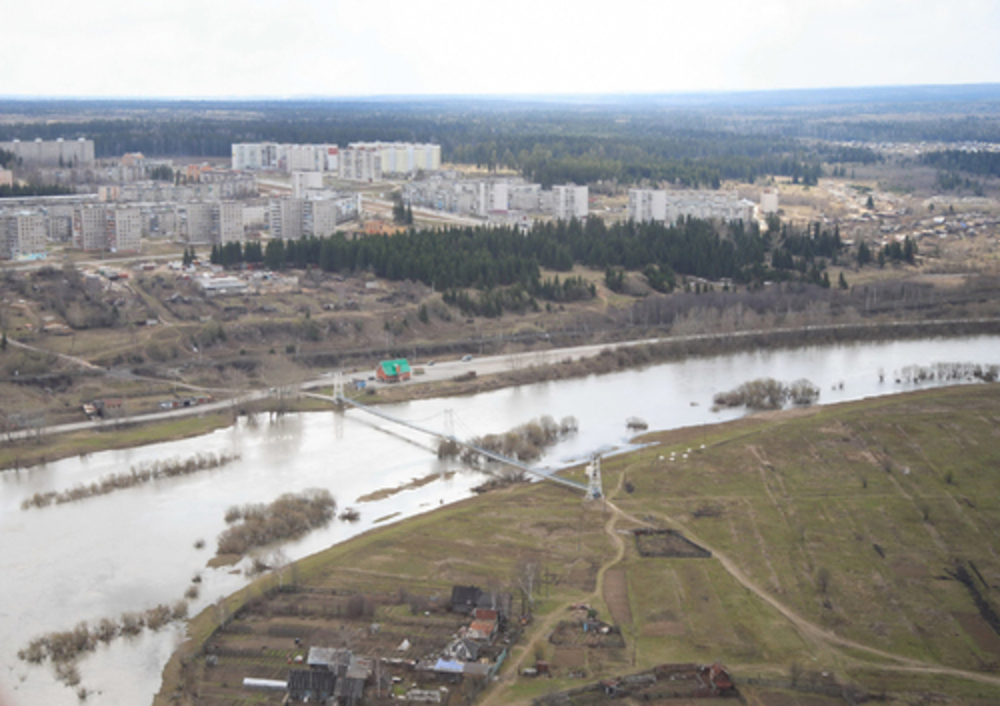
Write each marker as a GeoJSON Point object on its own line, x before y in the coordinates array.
{"type": "Point", "coordinates": [135, 548]}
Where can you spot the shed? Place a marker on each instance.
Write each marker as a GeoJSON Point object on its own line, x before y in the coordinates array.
{"type": "Point", "coordinates": [393, 370]}
{"type": "Point", "coordinates": [311, 684]}
{"type": "Point", "coordinates": [464, 598]}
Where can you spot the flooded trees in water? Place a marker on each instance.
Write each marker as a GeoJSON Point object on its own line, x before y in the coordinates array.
{"type": "Point", "coordinates": [768, 393]}
{"type": "Point", "coordinates": [523, 443]}
{"type": "Point", "coordinates": [291, 515]}
{"type": "Point", "coordinates": [138, 475]}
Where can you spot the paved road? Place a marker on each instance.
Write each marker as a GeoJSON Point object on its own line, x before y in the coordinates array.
{"type": "Point", "coordinates": [482, 365]}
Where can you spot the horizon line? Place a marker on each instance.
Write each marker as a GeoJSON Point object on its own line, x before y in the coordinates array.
{"type": "Point", "coordinates": [544, 97]}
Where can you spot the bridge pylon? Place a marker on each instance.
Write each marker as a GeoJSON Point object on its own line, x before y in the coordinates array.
{"type": "Point", "coordinates": [595, 487]}
{"type": "Point", "coordinates": [338, 388]}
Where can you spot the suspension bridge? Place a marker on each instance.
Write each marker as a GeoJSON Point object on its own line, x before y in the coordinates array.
{"type": "Point", "coordinates": [593, 489]}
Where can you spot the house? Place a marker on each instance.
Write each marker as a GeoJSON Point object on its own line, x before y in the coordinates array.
{"type": "Point", "coordinates": [482, 630]}
{"type": "Point", "coordinates": [313, 685]}
{"type": "Point", "coordinates": [328, 658]}
{"type": "Point", "coordinates": [393, 370]}
{"type": "Point", "coordinates": [462, 649]}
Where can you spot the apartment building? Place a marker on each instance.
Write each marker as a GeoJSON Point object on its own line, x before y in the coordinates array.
{"type": "Point", "coordinates": [402, 158]}
{"type": "Point", "coordinates": [361, 163]}
{"type": "Point", "coordinates": [227, 223]}
{"type": "Point", "coordinates": [107, 228]}
{"type": "Point", "coordinates": [570, 201]}
{"type": "Point", "coordinates": [285, 157]}
{"type": "Point", "coordinates": [646, 205]}
{"type": "Point", "coordinates": [52, 153]}
{"type": "Point", "coordinates": [285, 218]}
{"type": "Point", "coordinates": [22, 235]}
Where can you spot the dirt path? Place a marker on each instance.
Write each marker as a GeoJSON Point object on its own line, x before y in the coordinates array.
{"type": "Point", "coordinates": [542, 630]}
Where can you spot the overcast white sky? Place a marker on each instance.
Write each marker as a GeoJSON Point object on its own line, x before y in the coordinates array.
{"type": "Point", "coordinates": [249, 48]}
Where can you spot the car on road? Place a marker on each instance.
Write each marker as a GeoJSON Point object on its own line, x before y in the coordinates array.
{"type": "Point", "coordinates": [430, 363]}
{"type": "Point", "coordinates": [466, 358]}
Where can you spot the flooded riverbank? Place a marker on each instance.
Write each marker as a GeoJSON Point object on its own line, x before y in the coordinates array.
{"type": "Point", "coordinates": [134, 549]}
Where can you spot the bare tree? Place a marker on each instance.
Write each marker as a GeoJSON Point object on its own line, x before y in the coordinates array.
{"type": "Point", "coordinates": [527, 577]}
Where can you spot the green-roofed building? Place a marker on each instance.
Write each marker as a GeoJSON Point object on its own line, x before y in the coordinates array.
{"type": "Point", "coordinates": [393, 370]}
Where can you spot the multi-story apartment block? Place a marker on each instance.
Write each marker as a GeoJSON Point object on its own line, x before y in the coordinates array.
{"type": "Point", "coordinates": [22, 235]}
{"type": "Point", "coordinates": [52, 153]}
{"type": "Point", "coordinates": [361, 163]}
{"type": "Point", "coordinates": [291, 219]}
{"type": "Point", "coordinates": [90, 227]}
{"type": "Point", "coordinates": [769, 201]}
{"type": "Point", "coordinates": [6, 177]}
{"type": "Point", "coordinates": [570, 201]}
{"type": "Point", "coordinates": [285, 157]}
{"type": "Point", "coordinates": [124, 229]}
{"type": "Point", "coordinates": [404, 157]}
{"type": "Point", "coordinates": [194, 222]}
{"type": "Point", "coordinates": [493, 196]}
{"type": "Point", "coordinates": [227, 222]}
{"type": "Point", "coordinates": [646, 205]}
{"type": "Point", "coordinates": [285, 218]}
{"type": "Point", "coordinates": [320, 217]}
{"type": "Point", "coordinates": [107, 228]}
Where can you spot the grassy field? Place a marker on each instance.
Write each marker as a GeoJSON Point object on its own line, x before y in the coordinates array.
{"type": "Point", "coordinates": [836, 534]}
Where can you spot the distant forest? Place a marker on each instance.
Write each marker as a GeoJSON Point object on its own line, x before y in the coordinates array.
{"type": "Point", "coordinates": [547, 143]}
{"type": "Point", "coordinates": [689, 141]}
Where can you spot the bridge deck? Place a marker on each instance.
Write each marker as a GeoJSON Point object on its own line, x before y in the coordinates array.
{"type": "Point", "coordinates": [431, 432]}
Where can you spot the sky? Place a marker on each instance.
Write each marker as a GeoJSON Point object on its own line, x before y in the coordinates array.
{"type": "Point", "coordinates": [332, 48]}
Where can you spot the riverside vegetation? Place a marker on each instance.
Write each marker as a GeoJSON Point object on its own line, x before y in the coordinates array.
{"type": "Point", "coordinates": [291, 515]}
{"type": "Point", "coordinates": [146, 472]}
{"type": "Point", "coordinates": [522, 443]}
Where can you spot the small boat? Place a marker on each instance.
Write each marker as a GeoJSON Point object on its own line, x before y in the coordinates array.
{"type": "Point", "coordinates": [636, 423]}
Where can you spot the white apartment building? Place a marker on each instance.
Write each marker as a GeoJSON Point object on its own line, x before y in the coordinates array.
{"type": "Point", "coordinates": [89, 228]}
{"type": "Point", "coordinates": [492, 196]}
{"type": "Point", "coordinates": [319, 217]}
{"type": "Point", "coordinates": [124, 229]}
{"type": "Point", "coordinates": [769, 201]}
{"type": "Point", "coordinates": [194, 222]}
{"type": "Point", "coordinates": [724, 205]}
{"type": "Point", "coordinates": [52, 153]}
{"type": "Point", "coordinates": [646, 205]}
{"type": "Point", "coordinates": [404, 157]}
{"type": "Point", "coordinates": [211, 223]}
{"type": "Point", "coordinates": [570, 201]}
{"type": "Point", "coordinates": [227, 223]}
{"type": "Point", "coordinates": [303, 182]}
{"type": "Point", "coordinates": [285, 157]}
{"type": "Point", "coordinates": [361, 163]}
{"type": "Point", "coordinates": [107, 228]}
{"type": "Point", "coordinates": [22, 235]}
{"type": "Point", "coordinates": [286, 218]}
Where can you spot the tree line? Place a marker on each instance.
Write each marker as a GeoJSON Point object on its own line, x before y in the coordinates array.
{"type": "Point", "coordinates": [505, 266]}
